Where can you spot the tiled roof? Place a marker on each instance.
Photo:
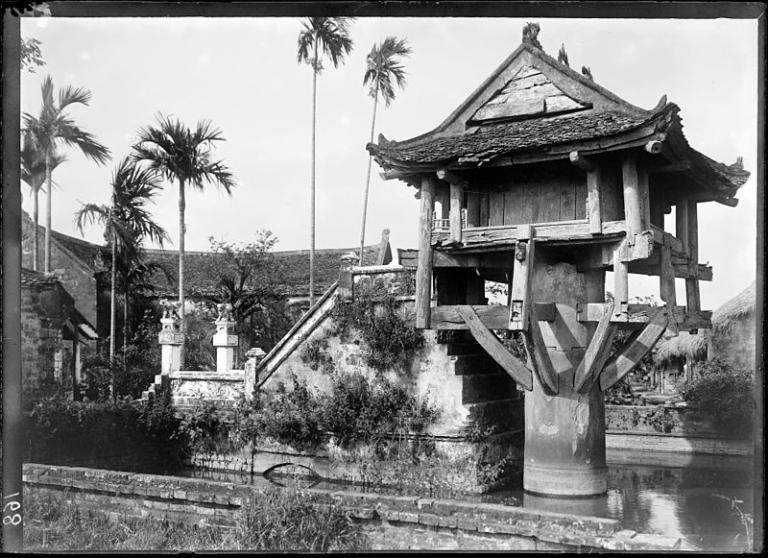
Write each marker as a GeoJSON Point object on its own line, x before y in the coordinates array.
{"type": "Point", "coordinates": [293, 267]}
{"type": "Point", "coordinates": [487, 142]}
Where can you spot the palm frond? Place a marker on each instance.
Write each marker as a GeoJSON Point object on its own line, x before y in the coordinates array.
{"type": "Point", "coordinates": [71, 95]}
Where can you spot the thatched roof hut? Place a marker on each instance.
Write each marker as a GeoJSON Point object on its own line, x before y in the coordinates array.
{"type": "Point", "coordinates": [733, 330]}
{"type": "Point", "coordinates": [734, 312]}
{"type": "Point", "coordinates": [674, 351]}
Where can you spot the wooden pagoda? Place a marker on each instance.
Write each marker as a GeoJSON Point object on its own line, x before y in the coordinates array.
{"type": "Point", "coordinates": [545, 180]}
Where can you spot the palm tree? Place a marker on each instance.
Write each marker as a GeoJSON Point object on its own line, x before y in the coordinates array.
{"type": "Point", "coordinates": [320, 36]}
{"type": "Point", "coordinates": [33, 173]}
{"type": "Point", "coordinates": [126, 220]}
{"type": "Point", "coordinates": [52, 128]}
{"type": "Point", "coordinates": [383, 71]}
{"type": "Point", "coordinates": [184, 155]}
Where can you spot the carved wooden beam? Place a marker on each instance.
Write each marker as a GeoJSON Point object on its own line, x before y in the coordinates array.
{"type": "Point", "coordinates": [653, 147]}
{"type": "Point", "coordinates": [492, 316]}
{"type": "Point", "coordinates": [580, 161]}
{"type": "Point", "coordinates": [495, 349]}
{"type": "Point", "coordinates": [597, 352]}
{"type": "Point", "coordinates": [623, 363]}
{"type": "Point", "coordinates": [542, 364]}
{"type": "Point", "coordinates": [520, 294]}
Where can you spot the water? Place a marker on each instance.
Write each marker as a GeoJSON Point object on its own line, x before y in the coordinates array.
{"type": "Point", "coordinates": [683, 496]}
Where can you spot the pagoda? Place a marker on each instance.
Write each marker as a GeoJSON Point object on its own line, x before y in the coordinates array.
{"type": "Point", "coordinates": [544, 180]}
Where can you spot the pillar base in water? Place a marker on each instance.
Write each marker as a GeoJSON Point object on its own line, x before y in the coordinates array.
{"type": "Point", "coordinates": [563, 481]}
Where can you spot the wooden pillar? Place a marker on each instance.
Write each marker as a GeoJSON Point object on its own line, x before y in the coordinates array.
{"type": "Point", "coordinates": [693, 300]}
{"type": "Point", "coordinates": [644, 197]}
{"type": "Point", "coordinates": [620, 280]}
{"type": "Point", "coordinates": [457, 192]}
{"type": "Point", "coordinates": [520, 299]}
{"type": "Point", "coordinates": [424, 269]}
{"type": "Point", "coordinates": [681, 223]}
{"type": "Point", "coordinates": [667, 283]}
{"type": "Point", "coordinates": [631, 187]}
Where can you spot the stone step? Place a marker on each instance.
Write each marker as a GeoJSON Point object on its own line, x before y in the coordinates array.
{"type": "Point", "coordinates": [475, 364]}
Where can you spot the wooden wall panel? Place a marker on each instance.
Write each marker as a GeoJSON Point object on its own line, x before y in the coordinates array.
{"type": "Point", "coordinates": [496, 211]}
{"type": "Point", "coordinates": [514, 203]}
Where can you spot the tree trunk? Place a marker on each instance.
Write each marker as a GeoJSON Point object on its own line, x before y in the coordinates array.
{"type": "Point", "coordinates": [36, 234]}
{"type": "Point", "coordinates": [112, 320]}
{"type": "Point", "coordinates": [48, 203]}
{"type": "Point", "coordinates": [368, 176]}
{"type": "Point", "coordinates": [182, 230]}
{"type": "Point", "coordinates": [312, 192]}
{"type": "Point", "coordinates": [125, 326]}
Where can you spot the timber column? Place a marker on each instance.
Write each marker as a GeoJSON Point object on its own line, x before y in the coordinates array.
{"type": "Point", "coordinates": [564, 431]}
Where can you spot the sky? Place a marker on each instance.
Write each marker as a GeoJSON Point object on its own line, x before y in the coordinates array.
{"type": "Point", "coordinates": [242, 74]}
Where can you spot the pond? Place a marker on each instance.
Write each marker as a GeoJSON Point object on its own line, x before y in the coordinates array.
{"type": "Point", "coordinates": [701, 499]}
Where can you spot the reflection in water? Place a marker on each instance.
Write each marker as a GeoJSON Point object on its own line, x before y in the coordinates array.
{"type": "Point", "coordinates": [693, 501]}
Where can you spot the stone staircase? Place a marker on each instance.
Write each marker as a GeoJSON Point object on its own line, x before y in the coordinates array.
{"type": "Point", "coordinates": [653, 397]}
{"type": "Point", "coordinates": [162, 381]}
{"type": "Point", "coordinates": [488, 392]}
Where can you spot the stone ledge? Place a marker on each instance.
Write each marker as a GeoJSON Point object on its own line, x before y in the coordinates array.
{"type": "Point", "coordinates": [209, 376]}
{"type": "Point", "coordinates": [195, 500]}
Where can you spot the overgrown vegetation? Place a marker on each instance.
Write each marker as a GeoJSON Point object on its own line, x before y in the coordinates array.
{"type": "Point", "coordinates": [388, 341]}
{"type": "Point", "coordinates": [284, 520]}
{"type": "Point", "coordinates": [723, 394]}
{"type": "Point", "coordinates": [64, 432]}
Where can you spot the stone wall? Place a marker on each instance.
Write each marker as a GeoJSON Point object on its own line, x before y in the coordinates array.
{"type": "Point", "coordinates": [43, 312]}
{"type": "Point", "coordinates": [391, 522]}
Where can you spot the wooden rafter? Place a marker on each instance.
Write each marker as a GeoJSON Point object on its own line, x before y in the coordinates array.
{"type": "Point", "coordinates": [597, 351]}
{"type": "Point", "coordinates": [495, 349]}
{"type": "Point", "coordinates": [623, 363]}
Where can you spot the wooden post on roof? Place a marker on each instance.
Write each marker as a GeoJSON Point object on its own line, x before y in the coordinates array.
{"type": "Point", "coordinates": [424, 269]}
{"type": "Point", "coordinates": [693, 299]}
{"type": "Point", "coordinates": [631, 187]}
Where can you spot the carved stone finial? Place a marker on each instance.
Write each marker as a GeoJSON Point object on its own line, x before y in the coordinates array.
{"type": "Point", "coordinates": [587, 73]}
{"type": "Point", "coordinates": [530, 34]}
{"type": "Point", "coordinates": [562, 56]}
{"type": "Point", "coordinates": [225, 312]}
{"type": "Point", "coordinates": [170, 309]}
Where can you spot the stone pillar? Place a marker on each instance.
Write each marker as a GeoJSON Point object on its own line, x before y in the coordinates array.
{"type": "Point", "coordinates": [225, 339]}
{"type": "Point", "coordinates": [171, 338]}
{"type": "Point", "coordinates": [254, 357]}
{"type": "Point", "coordinates": [565, 432]}
{"type": "Point", "coordinates": [348, 262]}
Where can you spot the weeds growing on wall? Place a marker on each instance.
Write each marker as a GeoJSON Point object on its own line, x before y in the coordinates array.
{"type": "Point", "coordinates": [389, 342]}
{"type": "Point", "coordinates": [315, 355]}
{"type": "Point", "coordinates": [284, 520]}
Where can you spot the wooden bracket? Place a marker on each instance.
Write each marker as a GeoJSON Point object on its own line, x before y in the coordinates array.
{"type": "Point", "coordinates": [542, 364]}
{"type": "Point", "coordinates": [520, 293]}
{"type": "Point", "coordinates": [495, 349]}
{"type": "Point", "coordinates": [623, 363]}
{"type": "Point", "coordinates": [597, 352]}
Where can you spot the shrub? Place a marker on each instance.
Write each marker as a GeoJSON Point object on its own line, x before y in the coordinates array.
{"type": "Point", "coordinates": [63, 432]}
{"type": "Point", "coordinates": [389, 341]}
{"type": "Point", "coordinates": [288, 416]}
{"type": "Point", "coordinates": [724, 395]}
{"type": "Point", "coordinates": [207, 430]}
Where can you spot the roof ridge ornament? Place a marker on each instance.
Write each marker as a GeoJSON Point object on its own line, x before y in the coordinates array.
{"type": "Point", "coordinates": [530, 34]}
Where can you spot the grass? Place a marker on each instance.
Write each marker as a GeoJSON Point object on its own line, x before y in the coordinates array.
{"type": "Point", "coordinates": [283, 520]}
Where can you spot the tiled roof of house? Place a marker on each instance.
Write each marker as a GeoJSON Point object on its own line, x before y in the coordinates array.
{"type": "Point", "coordinates": [200, 276]}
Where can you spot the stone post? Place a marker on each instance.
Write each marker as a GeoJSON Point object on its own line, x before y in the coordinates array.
{"type": "Point", "coordinates": [224, 339]}
{"type": "Point", "coordinates": [348, 262]}
{"type": "Point", "coordinates": [254, 357]}
{"type": "Point", "coordinates": [171, 338]}
{"type": "Point", "coordinates": [565, 433]}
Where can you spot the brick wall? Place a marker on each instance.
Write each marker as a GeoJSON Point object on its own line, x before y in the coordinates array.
{"type": "Point", "coordinates": [40, 337]}
{"type": "Point", "coordinates": [392, 522]}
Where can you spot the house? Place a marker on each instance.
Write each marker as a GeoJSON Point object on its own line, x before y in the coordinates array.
{"type": "Point", "coordinates": [54, 333]}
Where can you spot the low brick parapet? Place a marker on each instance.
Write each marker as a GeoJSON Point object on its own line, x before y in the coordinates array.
{"type": "Point", "coordinates": [391, 520]}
